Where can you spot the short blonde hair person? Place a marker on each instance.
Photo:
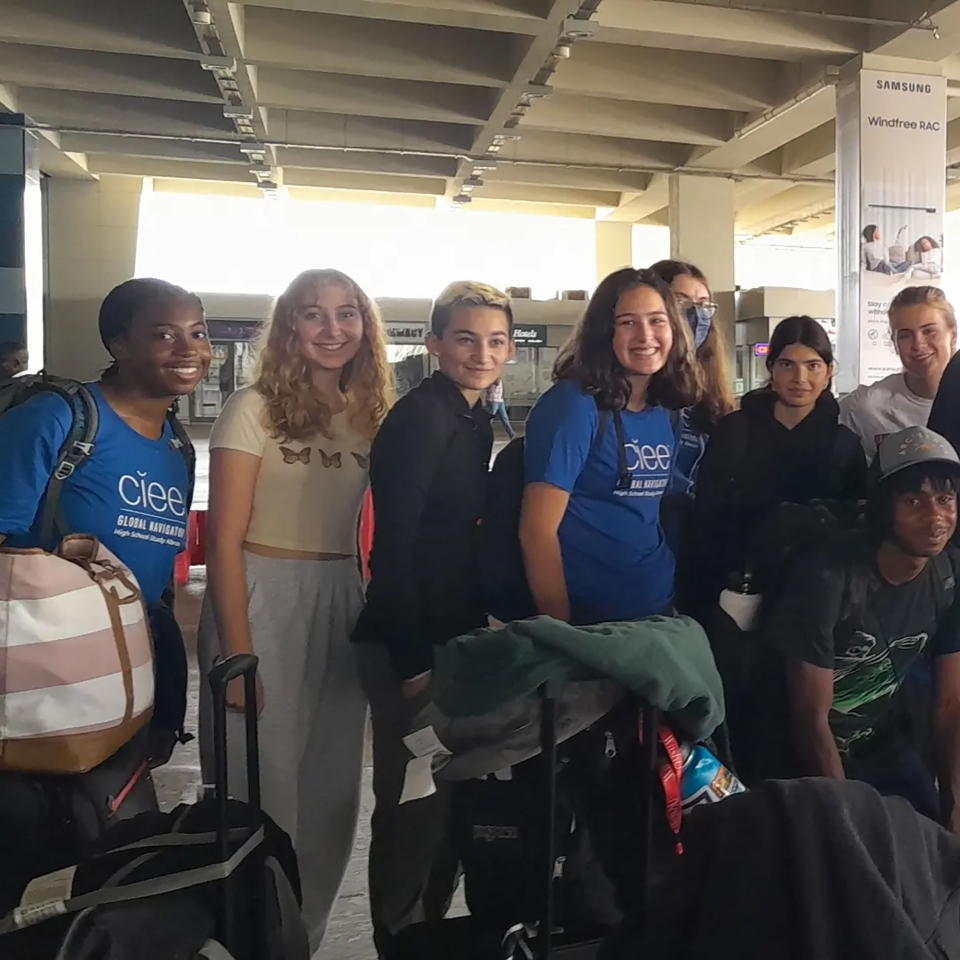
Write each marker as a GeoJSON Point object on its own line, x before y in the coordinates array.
{"type": "Point", "coordinates": [467, 293]}
{"type": "Point", "coordinates": [925, 295]}
{"type": "Point", "coordinates": [294, 409]}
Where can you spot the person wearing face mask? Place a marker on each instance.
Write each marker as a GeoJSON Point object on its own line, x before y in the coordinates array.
{"type": "Point", "coordinates": [924, 330]}
{"type": "Point", "coordinates": [429, 470]}
{"type": "Point", "coordinates": [784, 445]}
{"type": "Point", "coordinates": [288, 472]}
{"type": "Point", "coordinates": [599, 452]}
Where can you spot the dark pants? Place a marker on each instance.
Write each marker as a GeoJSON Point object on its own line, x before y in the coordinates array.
{"type": "Point", "coordinates": [412, 867]}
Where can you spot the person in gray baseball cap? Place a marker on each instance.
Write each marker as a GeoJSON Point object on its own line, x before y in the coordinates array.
{"type": "Point", "coordinates": [870, 609]}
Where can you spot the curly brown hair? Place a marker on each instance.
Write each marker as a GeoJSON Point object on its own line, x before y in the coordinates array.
{"type": "Point", "coordinates": [718, 399]}
{"type": "Point", "coordinates": [294, 410]}
{"type": "Point", "coordinates": [588, 357]}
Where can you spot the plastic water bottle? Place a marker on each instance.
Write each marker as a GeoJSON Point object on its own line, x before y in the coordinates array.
{"type": "Point", "coordinates": [705, 779]}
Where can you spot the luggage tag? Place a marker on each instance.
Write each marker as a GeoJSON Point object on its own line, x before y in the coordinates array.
{"type": "Point", "coordinates": [44, 897]}
{"type": "Point", "coordinates": [427, 752]}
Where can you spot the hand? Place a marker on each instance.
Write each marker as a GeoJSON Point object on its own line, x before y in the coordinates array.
{"type": "Point", "coordinates": [413, 688]}
{"type": "Point", "coordinates": [235, 695]}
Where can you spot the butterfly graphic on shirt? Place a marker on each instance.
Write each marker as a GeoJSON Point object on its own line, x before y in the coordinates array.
{"type": "Point", "coordinates": [334, 460]}
{"type": "Point", "coordinates": [296, 456]}
{"type": "Point", "coordinates": [361, 459]}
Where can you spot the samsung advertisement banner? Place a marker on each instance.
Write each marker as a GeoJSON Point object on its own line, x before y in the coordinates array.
{"type": "Point", "coordinates": [897, 231]}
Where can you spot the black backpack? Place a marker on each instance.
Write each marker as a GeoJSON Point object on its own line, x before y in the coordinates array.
{"type": "Point", "coordinates": [79, 443]}
{"type": "Point", "coordinates": [508, 595]}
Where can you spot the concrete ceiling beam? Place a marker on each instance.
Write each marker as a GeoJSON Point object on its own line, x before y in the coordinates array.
{"type": "Point", "coordinates": [152, 148]}
{"type": "Point", "coordinates": [636, 207]}
{"type": "Point", "coordinates": [916, 44]}
{"type": "Point", "coordinates": [561, 195]}
{"type": "Point", "coordinates": [295, 176]}
{"type": "Point", "coordinates": [402, 51]}
{"type": "Point", "coordinates": [812, 154]}
{"type": "Point", "coordinates": [107, 112]}
{"type": "Point", "coordinates": [770, 133]}
{"type": "Point", "coordinates": [621, 181]}
{"type": "Point", "coordinates": [333, 130]}
{"type": "Point", "coordinates": [567, 113]}
{"type": "Point", "coordinates": [798, 201]}
{"type": "Point", "coordinates": [374, 97]}
{"type": "Point", "coordinates": [289, 157]}
{"type": "Point", "coordinates": [151, 29]}
{"type": "Point", "coordinates": [620, 72]}
{"type": "Point", "coordinates": [476, 15]}
{"type": "Point", "coordinates": [108, 163]}
{"type": "Point", "coordinates": [579, 149]}
{"type": "Point", "coordinates": [711, 28]}
{"type": "Point", "coordinates": [90, 71]}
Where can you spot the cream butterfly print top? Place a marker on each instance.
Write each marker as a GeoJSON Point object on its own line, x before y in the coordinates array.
{"type": "Point", "coordinates": [309, 493]}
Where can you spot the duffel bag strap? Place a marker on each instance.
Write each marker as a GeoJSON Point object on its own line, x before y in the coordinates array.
{"type": "Point", "coordinates": [21, 917]}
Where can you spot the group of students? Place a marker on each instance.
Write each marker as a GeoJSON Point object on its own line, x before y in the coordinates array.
{"type": "Point", "coordinates": [645, 492]}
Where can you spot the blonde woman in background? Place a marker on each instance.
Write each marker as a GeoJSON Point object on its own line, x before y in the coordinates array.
{"type": "Point", "coordinates": [289, 460]}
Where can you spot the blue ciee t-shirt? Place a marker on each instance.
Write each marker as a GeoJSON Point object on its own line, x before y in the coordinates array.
{"type": "Point", "coordinates": [131, 494]}
{"type": "Point", "coordinates": [615, 559]}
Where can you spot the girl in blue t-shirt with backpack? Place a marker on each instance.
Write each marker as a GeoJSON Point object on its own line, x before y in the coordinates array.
{"type": "Point", "coordinates": [599, 452]}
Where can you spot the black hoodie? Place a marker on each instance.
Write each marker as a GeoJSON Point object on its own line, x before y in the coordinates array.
{"type": "Point", "coordinates": [753, 463]}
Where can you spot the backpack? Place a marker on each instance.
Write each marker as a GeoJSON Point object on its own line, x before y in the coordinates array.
{"type": "Point", "coordinates": [508, 595]}
{"type": "Point", "coordinates": [79, 443]}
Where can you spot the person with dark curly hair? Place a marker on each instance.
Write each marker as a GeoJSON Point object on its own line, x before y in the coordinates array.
{"type": "Point", "coordinates": [599, 453]}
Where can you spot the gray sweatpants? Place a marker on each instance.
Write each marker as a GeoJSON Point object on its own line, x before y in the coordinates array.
{"type": "Point", "coordinates": [312, 727]}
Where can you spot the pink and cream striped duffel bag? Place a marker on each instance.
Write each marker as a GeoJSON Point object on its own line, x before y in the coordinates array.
{"type": "Point", "coordinates": [76, 658]}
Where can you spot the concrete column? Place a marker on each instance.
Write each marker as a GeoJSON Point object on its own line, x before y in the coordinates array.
{"type": "Point", "coordinates": [701, 226]}
{"type": "Point", "coordinates": [891, 196]}
{"type": "Point", "coordinates": [93, 247]}
{"type": "Point", "coordinates": [614, 247]}
{"type": "Point", "coordinates": [702, 233]}
{"type": "Point", "coordinates": [21, 238]}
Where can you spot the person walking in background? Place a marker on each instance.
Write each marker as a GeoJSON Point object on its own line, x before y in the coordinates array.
{"type": "Point", "coordinates": [13, 359]}
{"type": "Point", "coordinates": [288, 472]}
{"type": "Point", "coordinates": [923, 326]}
{"type": "Point", "coordinates": [495, 404]}
{"type": "Point", "coordinates": [428, 471]}
{"type": "Point", "coordinates": [599, 454]}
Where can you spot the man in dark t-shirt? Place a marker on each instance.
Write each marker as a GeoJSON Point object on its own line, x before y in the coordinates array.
{"type": "Point", "coordinates": [859, 615]}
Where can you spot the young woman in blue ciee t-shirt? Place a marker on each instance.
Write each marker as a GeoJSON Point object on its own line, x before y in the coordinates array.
{"type": "Point", "coordinates": [590, 528]}
{"type": "Point", "coordinates": [132, 492]}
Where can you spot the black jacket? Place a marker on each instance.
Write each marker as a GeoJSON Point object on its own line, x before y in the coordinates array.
{"type": "Point", "coordinates": [752, 463]}
{"type": "Point", "coordinates": [428, 471]}
{"type": "Point", "coordinates": [945, 413]}
{"type": "Point", "coordinates": [805, 870]}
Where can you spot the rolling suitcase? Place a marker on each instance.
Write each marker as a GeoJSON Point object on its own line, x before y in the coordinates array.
{"type": "Point", "coordinates": [470, 938]}
{"type": "Point", "coordinates": [216, 879]}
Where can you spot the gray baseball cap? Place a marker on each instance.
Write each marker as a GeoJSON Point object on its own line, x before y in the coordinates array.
{"type": "Point", "coordinates": [897, 451]}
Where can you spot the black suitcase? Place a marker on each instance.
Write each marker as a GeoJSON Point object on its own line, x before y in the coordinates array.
{"type": "Point", "coordinates": [472, 938]}
{"type": "Point", "coordinates": [214, 879]}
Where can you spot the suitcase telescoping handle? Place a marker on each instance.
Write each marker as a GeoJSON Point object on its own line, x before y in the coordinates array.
{"type": "Point", "coordinates": [240, 665]}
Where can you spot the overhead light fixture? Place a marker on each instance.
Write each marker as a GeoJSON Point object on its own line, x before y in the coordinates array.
{"type": "Point", "coordinates": [258, 168]}
{"type": "Point", "coordinates": [253, 148]}
{"type": "Point", "coordinates": [225, 64]}
{"type": "Point", "coordinates": [574, 29]}
{"type": "Point", "coordinates": [493, 148]}
{"type": "Point", "coordinates": [462, 198]}
{"type": "Point", "coordinates": [538, 91]}
{"type": "Point", "coordinates": [483, 167]}
{"type": "Point", "coordinates": [473, 181]}
{"type": "Point", "coordinates": [511, 122]}
{"type": "Point", "coordinates": [237, 111]}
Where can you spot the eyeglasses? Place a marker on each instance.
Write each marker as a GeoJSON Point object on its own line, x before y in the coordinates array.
{"type": "Point", "coordinates": [708, 306]}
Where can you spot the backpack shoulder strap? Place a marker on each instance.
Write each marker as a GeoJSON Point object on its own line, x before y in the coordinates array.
{"type": "Point", "coordinates": [945, 582]}
{"type": "Point", "coordinates": [187, 450]}
{"type": "Point", "coordinates": [76, 448]}
{"type": "Point", "coordinates": [846, 446]}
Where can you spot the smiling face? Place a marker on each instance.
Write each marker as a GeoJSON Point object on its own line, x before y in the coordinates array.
{"type": "Point", "coordinates": [799, 375]}
{"type": "Point", "coordinates": [642, 335]}
{"type": "Point", "coordinates": [166, 352]}
{"type": "Point", "coordinates": [924, 340]}
{"type": "Point", "coordinates": [924, 521]}
{"type": "Point", "coordinates": [329, 326]}
{"type": "Point", "coordinates": [475, 345]}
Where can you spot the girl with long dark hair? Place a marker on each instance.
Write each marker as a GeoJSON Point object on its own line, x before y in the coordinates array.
{"type": "Point", "coordinates": [599, 451]}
